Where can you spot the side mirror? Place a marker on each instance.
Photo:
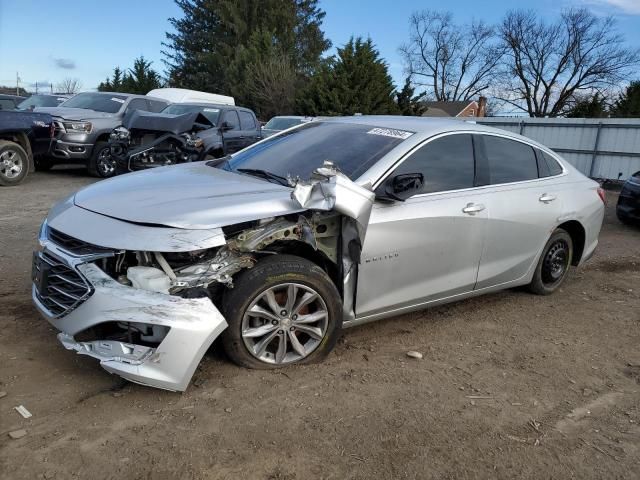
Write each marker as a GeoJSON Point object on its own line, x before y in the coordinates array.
{"type": "Point", "coordinates": [404, 186]}
{"type": "Point", "coordinates": [224, 126]}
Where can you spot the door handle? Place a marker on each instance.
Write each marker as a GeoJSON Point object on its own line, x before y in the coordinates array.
{"type": "Point", "coordinates": [545, 198]}
{"type": "Point", "coordinates": [473, 208]}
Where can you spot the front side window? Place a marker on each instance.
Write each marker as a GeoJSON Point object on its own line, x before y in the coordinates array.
{"type": "Point", "coordinates": [352, 148]}
{"type": "Point", "coordinates": [509, 160]}
{"type": "Point", "coordinates": [137, 104]}
{"type": "Point", "coordinates": [231, 117]}
{"type": "Point", "coordinates": [447, 163]}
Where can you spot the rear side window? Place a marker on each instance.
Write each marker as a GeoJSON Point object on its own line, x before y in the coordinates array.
{"type": "Point", "coordinates": [446, 163]}
{"type": "Point", "coordinates": [552, 165]}
{"type": "Point", "coordinates": [246, 121]}
{"type": "Point", "coordinates": [509, 161]}
{"type": "Point", "coordinates": [231, 117]}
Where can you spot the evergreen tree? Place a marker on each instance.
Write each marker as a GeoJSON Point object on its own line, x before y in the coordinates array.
{"type": "Point", "coordinates": [628, 103]}
{"type": "Point", "coordinates": [589, 107]}
{"type": "Point", "coordinates": [408, 103]}
{"type": "Point", "coordinates": [218, 44]}
{"type": "Point", "coordinates": [356, 81]}
{"type": "Point", "coordinates": [140, 79]}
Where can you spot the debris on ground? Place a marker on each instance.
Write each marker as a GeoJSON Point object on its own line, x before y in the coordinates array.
{"type": "Point", "coordinates": [414, 354]}
{"type": "Point", "coordinates": [23, 411]}
{"type": "Point", "coordinates": [16, 434]}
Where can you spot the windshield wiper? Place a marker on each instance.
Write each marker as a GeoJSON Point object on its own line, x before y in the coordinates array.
{"type": "Point", "coordinates": [266, 175]}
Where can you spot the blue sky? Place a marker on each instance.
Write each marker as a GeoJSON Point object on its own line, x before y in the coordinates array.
{"type": "Point", "coordinates": [46, 41]}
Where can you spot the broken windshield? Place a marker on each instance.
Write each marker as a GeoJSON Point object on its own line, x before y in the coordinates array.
{"type": "Point", "coordinates": [352, 148]}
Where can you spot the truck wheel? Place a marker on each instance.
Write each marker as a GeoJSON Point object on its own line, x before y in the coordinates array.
{"type": "Point", "coordinates": [102, 164]}
{"type": "Point", "coordinates": [14, 163]}
{"type": "Point", "coordinates": [284, 310]}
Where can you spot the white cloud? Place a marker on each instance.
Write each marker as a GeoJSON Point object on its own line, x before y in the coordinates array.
{"type": "Point", "coordinates": [631, 7]}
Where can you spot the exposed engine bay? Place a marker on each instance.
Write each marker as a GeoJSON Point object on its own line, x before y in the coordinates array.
{"type": "Point", "coordinates": [148, 140]}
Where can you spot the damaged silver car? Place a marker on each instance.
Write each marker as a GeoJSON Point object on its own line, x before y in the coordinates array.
{"type": "Point", "coordinates": [328, 225]}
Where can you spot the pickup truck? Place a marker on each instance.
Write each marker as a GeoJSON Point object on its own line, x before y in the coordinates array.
{"type": "Point", "coordinates": [23, 137]}
{"type": "Point", "coordinates": [83, 125]}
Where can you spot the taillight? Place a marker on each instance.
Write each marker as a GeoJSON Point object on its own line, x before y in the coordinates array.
{"type": "Point", "coordinates": [52, 130]}
{"type": "Point", "coordinates": [602, 194]}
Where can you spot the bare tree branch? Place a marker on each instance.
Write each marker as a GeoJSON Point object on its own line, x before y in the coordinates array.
{"type": "Point", "coordinates": [547, 64]}
{"type": "Point", "coordinates": [454, 62]}
{"type": "Point", "coordinates": [69, 86]}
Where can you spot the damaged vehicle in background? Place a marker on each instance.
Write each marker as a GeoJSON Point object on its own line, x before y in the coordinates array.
{"type": "Point", "coordinates": [278, 247]}
{"type": "Point", "coordinates": [181, 133]}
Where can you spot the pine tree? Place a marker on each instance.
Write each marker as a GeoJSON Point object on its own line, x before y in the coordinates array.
{"type": "Point", "coordinates": [589, 107]}
{"type": "Point", "coordinates": [628, 103]}
{"type": "Point", "coordinates": [408, 103]}
{"type": "Point", "coordinates": [356, 81]}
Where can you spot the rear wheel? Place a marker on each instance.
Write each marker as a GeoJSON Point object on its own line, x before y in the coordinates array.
{"type": "Point", "coordinates": [102, 164]}
{"type": "Point", "coordinates": [554, 264]}
{"type": "Point", "coordinates": [284, 310]}
{"type": "Point", "coordinates": [14, 163]}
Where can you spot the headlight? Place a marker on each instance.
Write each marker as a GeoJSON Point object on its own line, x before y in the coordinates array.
{"type": "Point", "coordinates": [120, 133]}
{"type": "Point", "coordinates": [77, 127]}
{"type": "Point", "coordinates": [42, 234]}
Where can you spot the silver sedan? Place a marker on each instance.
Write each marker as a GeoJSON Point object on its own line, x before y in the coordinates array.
{"type": "Point", "coordinates": [327, 225]}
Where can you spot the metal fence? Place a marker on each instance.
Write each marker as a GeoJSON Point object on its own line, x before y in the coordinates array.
{"type": "Point", "coordinates": [600, 148]}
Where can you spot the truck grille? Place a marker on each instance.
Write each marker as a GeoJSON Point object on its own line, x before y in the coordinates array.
{"type": "Point", "coordinates": [73, 245]}
{"type": "Point", "coordinates": [58, 287]}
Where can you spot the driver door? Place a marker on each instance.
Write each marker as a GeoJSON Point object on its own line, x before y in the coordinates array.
{"type": "Point", "coordinates": [427, 247]}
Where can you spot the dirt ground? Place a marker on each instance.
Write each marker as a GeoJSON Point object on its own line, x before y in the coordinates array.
{"type": "Point", "coordinates": [511, 386]}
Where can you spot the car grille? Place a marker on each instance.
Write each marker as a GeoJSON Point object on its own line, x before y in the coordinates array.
{"type": "Point", "coordinates": [73, 245]}
{"type": "Point", "coordinates": [58, 287]}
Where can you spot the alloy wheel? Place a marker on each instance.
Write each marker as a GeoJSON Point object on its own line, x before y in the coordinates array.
{"type": "Point", "coordinates": [105, 164]}
{"type": "Point", "coordinates": [285, 323]}
{"type": "Point", "coordinates": [11, 164]}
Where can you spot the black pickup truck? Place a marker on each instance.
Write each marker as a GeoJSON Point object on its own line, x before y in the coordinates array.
{"type": "Point", "coordinates": [24, 136]}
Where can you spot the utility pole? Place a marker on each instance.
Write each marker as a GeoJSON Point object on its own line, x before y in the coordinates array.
{"type": "Point", "coordinates": [36, 87]}
{"type": "Point", "coordinates": [17, 84]}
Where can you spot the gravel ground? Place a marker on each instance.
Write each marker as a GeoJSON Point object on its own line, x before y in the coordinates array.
{"type": "Point", "coordinates": [511, 386]}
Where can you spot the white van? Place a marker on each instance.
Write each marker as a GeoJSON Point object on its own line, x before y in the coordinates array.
{"type": "Point", "coordinates": [183, 95]}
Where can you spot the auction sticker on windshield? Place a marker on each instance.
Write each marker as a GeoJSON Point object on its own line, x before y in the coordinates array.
{"type": "Point", "coordinates": [119, 100]}
{"type": "Point", "coordinates": [213, 110]}
{"type": "Point", "coordinates": [390, 132]}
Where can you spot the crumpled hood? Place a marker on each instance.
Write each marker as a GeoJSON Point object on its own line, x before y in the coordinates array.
{"type": "Point", "coordinates": [189, 196]}
{"type": "Point", "coordinates": [73, 113]}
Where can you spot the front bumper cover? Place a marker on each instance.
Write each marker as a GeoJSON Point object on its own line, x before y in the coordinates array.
{"type": "Point", "coordinates": [193, 326]}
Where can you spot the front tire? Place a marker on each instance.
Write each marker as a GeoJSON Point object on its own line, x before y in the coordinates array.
{"type": "Point", "coordinates": [285, 310]}
{"type": "Point", "coordinates": [14, 163]}
{"type": "Point", "coordinates": [102, 164]}
{"type": "Point", "coordinates": [554, 263]}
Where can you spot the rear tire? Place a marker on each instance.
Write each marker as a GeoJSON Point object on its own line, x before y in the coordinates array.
{"type": "Point", "coordinates": [553, 265]}
{"type": "Point", "coordinates": [101, 164]}
{"type": "Point", "coordinates": [14, 163]}
{"type": "Point", "coordinates": [285, 310]}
